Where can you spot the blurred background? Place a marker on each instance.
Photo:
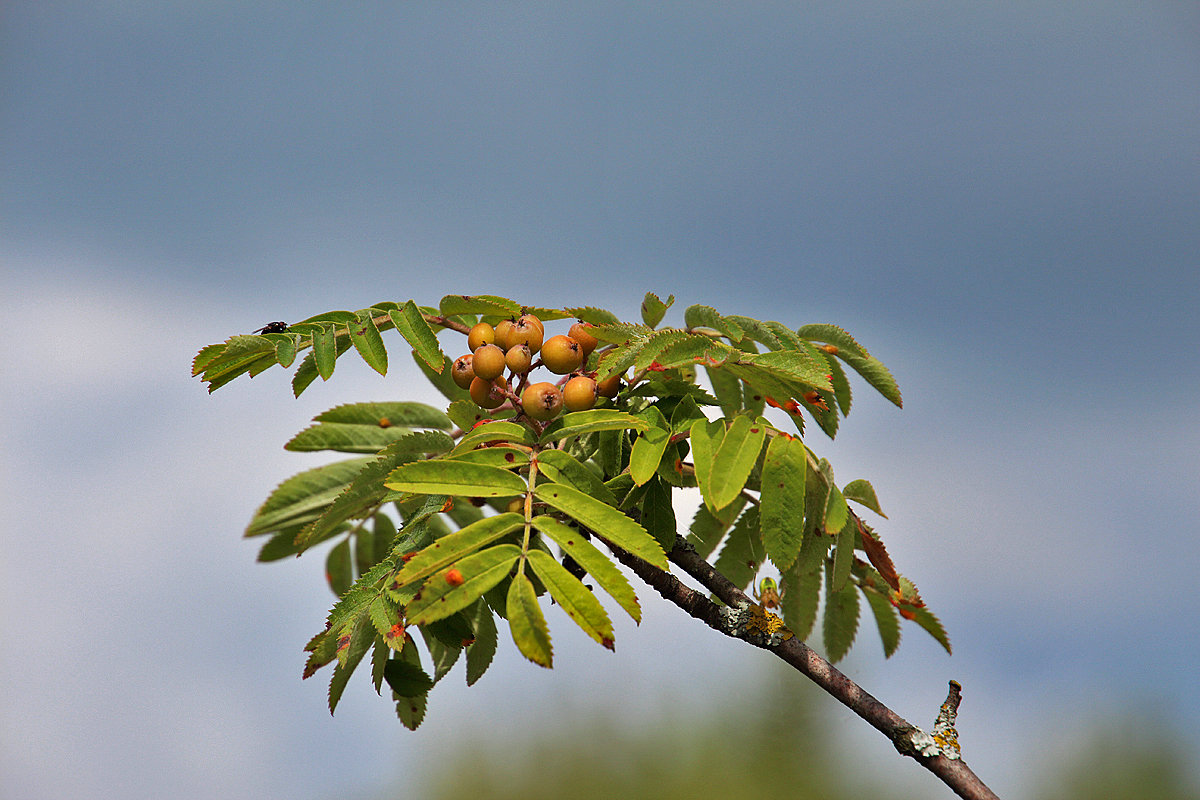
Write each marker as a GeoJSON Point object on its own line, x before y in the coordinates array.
{"type": "Point", "coordinates": [1002, 202]}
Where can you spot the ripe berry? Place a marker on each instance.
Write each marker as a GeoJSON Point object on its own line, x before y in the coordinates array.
{"type": "Point", "coordinates": [480, 335]}
{"type": "Point", "coordinates": [463, 371]}
{"type": "Point", "coordinates": [489, 362]}
{"type": "Point", "coordinates": [489, 394]}
{"type": "Point", "coordinates": [609, 386]}
{"type": "Point", "coordinates": [518, 358]}
{"type": "Point", "coordinates": [504, 329]}
{"type": "Point", "coordinates": [579, 332]}
{"type": "Point", "coordinates": [542, 401]}
{"type": "Point", "coordinates": [562, 354]}
{"type": "Point", "coordinates": [528, 331]}
{"type": "Point", "coordinates": [579, 394]}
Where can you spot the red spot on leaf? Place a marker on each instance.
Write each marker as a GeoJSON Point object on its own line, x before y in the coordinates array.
{"type": "Point", "coordinates": [655, 367]}
{"type": "Point", "coordinates": [384, 422]}
{"type": "Point", "coordinates": [454, 578]}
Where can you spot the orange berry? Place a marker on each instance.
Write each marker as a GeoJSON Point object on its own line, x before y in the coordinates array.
{"type": "Point", "coordinates": [489, 362]}
{"type": "Point", "coordinates": [579, 332]}
{"type": "Point", "coordinates": [518, 358]}
{"type": "Point", "coordinates": [542, 401]}
{"type": "Point", "coordinates": [463, 371]}
{"type": "Point", "coordinates": [562, 354]}
{"type": "Point", "coordinates": [504, 329]}
{"type": "Point", "coordinates": [609, 386]}
{"type": "Point", "coordinates": [480, 335]}
{"type": "Point", "coordinates": [528, 331]}
{"type": "Point", "coordinates": [489, 394]}
{"type": "Point", "coordinates": [579, 394]}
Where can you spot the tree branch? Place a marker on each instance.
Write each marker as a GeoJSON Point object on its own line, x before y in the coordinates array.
{"type": "Point", "coordinates": [743, 619]}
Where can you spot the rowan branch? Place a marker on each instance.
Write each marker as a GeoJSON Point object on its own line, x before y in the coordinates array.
{"type": "Point", "coordinates": [741, 618]}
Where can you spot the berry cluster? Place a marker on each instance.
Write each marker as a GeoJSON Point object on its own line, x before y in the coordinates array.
{"type": "Point", "coordinates": [512, 345]}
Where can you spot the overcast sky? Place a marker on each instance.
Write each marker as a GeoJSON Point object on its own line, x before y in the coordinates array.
{"type": "Point", "coordinates": [1001, 201]}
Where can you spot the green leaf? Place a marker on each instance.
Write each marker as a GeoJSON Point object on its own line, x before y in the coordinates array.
{"type": "Point", "coordinates": [841, 619]}
{"type": "Point", "coordinates": [527, 623]}
{"type": "Point", "coordinates": [339, 571]}
{"type": "Point", "coordinates": [606, 521]}
{"type": "Point", "coordinates": [705, 438]}
{"type": "Point", "coordinates": [611, 579]}
{"type": "Point", "coordinates": [782, 499]}
{"type": "Point", "coordinates": [573, 597]}
{"type": "Point", "coordinates": [495, 431]}
{"type": "Point", "coordinates": [734, 460]}
{"type": "Point", "coordinates": [932, 625]}
{"type": "Point", "coordinates": [610, 452]}
{"type": "Point", "coordinates": [728, 390]}
{"type": "Point", "coordinates": [593, 316]}
{"type": "Point", "coordinates": [792, 365]}
{"type": "Point", "coordinates": [863, 492]}
{"type": "Point", "coordinates": [876, 374]}
{"type": "Point", "coordinates": [481, 652]}
{"type": "Point", "coordinates": [450, 548]}
{"type": "Point", "coordinates": [406, 679]}
{"type": "Point", "coordinates": [450, 476]}
{"type": "Point", "coordinates": [561, 467]}
{"type": "Point", "coordinates": [443, 654]}
{"type": "Point", "coordinates": [649, 447]}
{"type": "Point", "coordinates": [843, 554]}
{"type": "Point", "coordinates": [707, 530]}
{"type": "Point", "coordinates": [653, 308]}
{"type": "Point", "coordinates": [411, 324]}
{"type": "Point", "coordinates": [366, 491]}
{"type": "Point", "coordinates": [699, 316]}
{"type": "Point", "coordinates": [345, 438]}
{"type": "Point", "coordinates": [837, 513]}
{"type": "Point", "coordinates": [823, 332]}
{"type": "Point", "coordinates": [410, 710]}
{"type": "Point", "coordinates": [658, 515]}
{"type": "Point", "coordinates": [385, 415]}
{"type": "Point", "coordinates": [886, 620]}
{"type": "Point", "coordinates": [496, 456]}
{"type": "Point", "coordinates": [465, 414]}
{"type": "Point", "coordinates": [352, 646]}
{"type": "Point", "coordinates": [485, 304]}
{"type": "Point", "coordinates": [386, 619]}
{"type": "Point", "coordinates": [841, 385]}
{"type": "Point", "coordinates": [476, 573]}
{"type": "Point", "coordinates": [302, 498]}
{"type": "Point", "coordinates": [325, 350]}
{"type": "Point", "coordinates": [367, 341]}
{"type": "Point", "coordinates": [743, 552]}
{"type": "Point", "coordinates": [577, 423]}
{"type": "Point", "coordinates": [801, 595]}
{"type": "Point", "coordinates": [207, 355]}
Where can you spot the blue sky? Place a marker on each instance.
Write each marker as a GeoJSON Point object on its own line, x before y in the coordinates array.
{"type": "Point", "coordinates": [1002, 202]}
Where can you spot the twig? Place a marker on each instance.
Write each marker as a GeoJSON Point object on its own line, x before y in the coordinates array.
{"type": "Point", "coordinates": [743, 619]}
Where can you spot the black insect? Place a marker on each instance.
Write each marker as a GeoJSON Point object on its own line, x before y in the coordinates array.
{"type": "Point", "coordinates": [273, 327]}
